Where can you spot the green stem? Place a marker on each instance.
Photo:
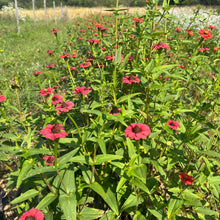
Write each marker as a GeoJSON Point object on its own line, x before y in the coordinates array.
{"type": "Point", "coordinates": [71, 75]}
{"type": "Point", "coordinates": [4, 115]}
{"type": "Point", "coordinates": [58, 173]}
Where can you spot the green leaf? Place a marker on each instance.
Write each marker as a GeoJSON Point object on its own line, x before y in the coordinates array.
{"type": "Point", "coordinates": [158, 70]}
{"type": "Point", "coordinates": [122, 181]}
{"type": "Point", "coordinates": [140, 185]}
{"type": "Point", "coordinates": [156, 214]}
{"type": "Point", "coordinates": [27, 139]}
{"type": "Point", "coordinates": [34, 151]}
{"type": "Point", "coordinates": [174, 207]}
{"type": "Point", "coordinates": [11, 136]}
{"type": "Point", "coordinates": [82, 159]}
{"type": "Point", "coordinates": [90, 213]}
{"type": "Point", "coordinates": [66, 157]}
{"type": "Point", "coordinates": [150, 66]}
{"type": "Point", "coordinates": [131, 147]}
{"type": "Point", "coordinates": [25, 168]}
{"type": "Point", "coordinates": [27, 195]}
{"type": "Point", "coordinates": [39, 170]}
{"type": "Point", "coordinates": [69, 181]}
{"type": "Point", "coordinates": [214, 180]}
{"type": "Point", "coordinates": [99, 159]}
{"type": "Point", "coordinates": [207, 211]}
{"type": "Point", "coordinates": [126, 97]}
{"type": "Point", "coordinates": [187, 195]}
{"type": "Point", "coordinates": [87, 174]}
{"type": "Point", "coordinates": [132, 201]}
{"type": "Point", "coordinates": [109, 215]}
{"type": "Point", "coordinates": [118, 56]}
{"type": "Point", "coordinates": [47, 200]}
{"type": "Point", "coordinates": [68, 205]}
{"type": "Point", "coordinates": [108, 196]}
{"type": "Point", "coordinates": [95, 112]}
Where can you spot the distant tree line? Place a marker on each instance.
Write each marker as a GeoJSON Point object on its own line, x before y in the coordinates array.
{"type": "Point", "coordinates": [102, 3]}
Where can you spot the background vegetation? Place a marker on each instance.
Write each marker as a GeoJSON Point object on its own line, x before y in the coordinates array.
{"type": "Point", "coordinates": [104, 3]}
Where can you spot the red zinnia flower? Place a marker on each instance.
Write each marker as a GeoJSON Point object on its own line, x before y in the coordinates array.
{"type": "Point", "coordinates": [2, 98]}
{"type": "Point", "coordinates": [54, 31]}
{"type": "Point", "coordinates": [84, 65]}
{"type": "Point", "coordinates": [83, 90]}
{"type": "Point", "coordinates": [130, 79]}
{"type": "Point", "coordinates": [181, 66]}
{"type": "Point", "coordinates": [137, 131]}
{"type": "Point", "coordinates": [213, 77]}
{"type": "Point", "coordinates": [50, 52]}
{"type": "Point", "coordinates": [36, 73]}
{"type": "Point", "coordinates": [49, 160]}
{"type": "Point", "coordinates": [53, 131]}
{"type": "Point", "coordinates": [178, 29]}
{"type": "Point", "coordinates": [211, 26]}
{"type": "Point", "coordinates": [161, 46]}
{"type": "Point", "coordinates": [173, 124]}
{"type": "Point", "coordinates": [32, 214]}
{"type": "Point", "coordinates": [57, 99]}
{"type": "Point", "coordinates": [46, 91]}
{"type": "Point", "coordinates": [109, 57]}
{"type": "Point", "coordinates": [64, 107]}
{"type": "Point", "coordinates": [50, 66]}
{"type": "Point", "coordinates": [99, 26]}
{"type": "Point", "coordinates": [187, 180]}
{"type": "Point", "coordinates": [137, 20]}
{"type": "Point", "coordinates": [206, 34]}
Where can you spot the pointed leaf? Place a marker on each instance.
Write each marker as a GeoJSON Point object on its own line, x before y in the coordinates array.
{"type": "Point", "coordinates": [27, 195]}
{"type": "Point", "coordinates": [47, 200]}
{"type": "Point", "coordinates": [68, 205]}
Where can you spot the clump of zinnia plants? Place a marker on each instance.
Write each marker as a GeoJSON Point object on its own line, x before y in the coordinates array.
{"type": "Point", "coordinates": [127, 127]}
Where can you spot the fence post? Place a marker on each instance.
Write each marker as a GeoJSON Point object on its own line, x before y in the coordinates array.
{"type": "Point", "coordinates": [17, 16]}
{"type": "Point", "coordinates": [54, 9]}
{"type": "Point", "coordinates": [33, 12]}
{"type": "Point", "coordinates": [61, 12]}
{"type": "Point", "coordinates": [45, 9]}
{"type": "Point", "coordinates": [66, 14]}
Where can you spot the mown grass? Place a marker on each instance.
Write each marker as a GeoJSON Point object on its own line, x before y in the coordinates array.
{"type": "Point", "coordinates": [23, 54]}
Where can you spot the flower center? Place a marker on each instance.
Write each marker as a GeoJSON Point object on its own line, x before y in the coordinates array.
{"type": "Point", "coordinates": [172, 124]}
{"type": "Point", "coordinates": [131, 78]}
{"type": "Point", "coordinates": [55, 98]}
{"type": "Point", "coordinates": [50, 160]}
{"type": "Point", "coordinates": [64, 105]}
{"type": "Point", "coordinates": [115, 110]}
{"type": "Point", "coordinates": [55, 129]}
{"type": "Point", "coordinates": [206, 32]}
{"type": "Point", "coordinates": [30, 218]}
{"type": "Point", "coordinates": [136, 129]}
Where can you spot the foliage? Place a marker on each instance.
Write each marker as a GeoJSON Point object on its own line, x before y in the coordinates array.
{"type": "Point", "coordinates": [140, 138]}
